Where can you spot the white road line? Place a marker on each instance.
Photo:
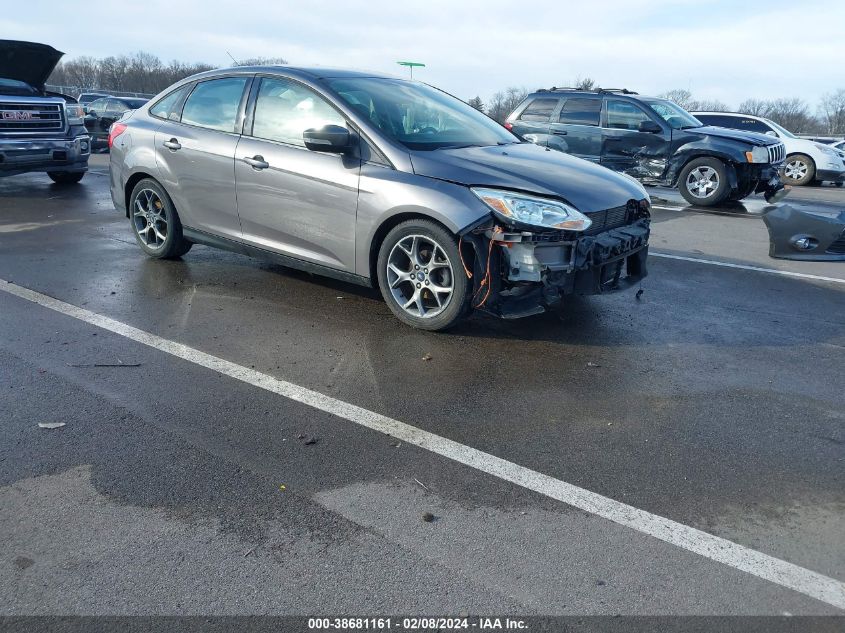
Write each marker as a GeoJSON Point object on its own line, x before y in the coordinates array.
{"type": "Point", "coordinates": [785, 574]}
{"type": "Point", "coordinates": [773, 271]}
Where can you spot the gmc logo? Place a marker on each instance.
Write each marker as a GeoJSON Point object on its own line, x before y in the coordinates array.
{"type": "Point", "coordinates": [17, 115]}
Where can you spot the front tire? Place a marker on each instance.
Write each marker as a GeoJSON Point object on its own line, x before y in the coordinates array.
{"type": "Point", "coordinates": [421, 277]}
{"type": "Point", "coordinates": [704, 182]}
{"type": "Point", "coordinates": [65, 177]}
{"type": "Point", "coordinates": [798, 170]}
{"type": "Point", "coordinates": [155, 223]}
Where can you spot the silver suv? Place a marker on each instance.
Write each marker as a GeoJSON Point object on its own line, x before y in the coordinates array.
{"type": "Point", "coordinates": [378, 181]}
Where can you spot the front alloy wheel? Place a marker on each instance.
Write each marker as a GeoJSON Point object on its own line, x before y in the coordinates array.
{"type": "Point", "coordinates": [798, 170]}
{"type": "Point", "coordinates": [420, 275]}
{"type": "Point", "coordinates": [704, 182]}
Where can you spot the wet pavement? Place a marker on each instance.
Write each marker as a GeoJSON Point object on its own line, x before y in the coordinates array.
{"type": "Point", "coordinates": [716, 400]}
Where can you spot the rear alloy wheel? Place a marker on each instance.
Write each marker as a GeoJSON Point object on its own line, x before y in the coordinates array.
{"type": "Point", "coordinates": [421, 277]}
{"type": "Point", "coordinates": [703, 182]}
{"type": "Point", "coordinates": [798, 170]}
{"type": "Point", "coordinates": [65, 177]}
{"type": "Point", "coordinates": [155, 222]}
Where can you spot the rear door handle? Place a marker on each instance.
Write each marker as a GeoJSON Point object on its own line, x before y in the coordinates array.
{"type": "Point", "coordinates": [257, 162]}
{"type": "Point", "coordinates": [613, 139]}
{"type": "Point", "coordinates": [560, 133]}
{"type": "Point", "coordinates": [172, 144]}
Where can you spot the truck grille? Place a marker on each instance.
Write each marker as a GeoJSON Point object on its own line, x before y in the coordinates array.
{"type": "Point", "coordinates": [777, 153]}
{"type": "Point", "coordinates": [31, 117]}
{"type": "Point", "coordinates": [608, 219]}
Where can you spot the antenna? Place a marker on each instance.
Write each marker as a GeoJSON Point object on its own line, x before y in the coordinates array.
{"type": "Point", "coordinates": [237, 63]}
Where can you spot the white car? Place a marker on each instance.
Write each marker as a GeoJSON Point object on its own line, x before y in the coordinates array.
{"type": "Point", "coordinates": [806, 161]}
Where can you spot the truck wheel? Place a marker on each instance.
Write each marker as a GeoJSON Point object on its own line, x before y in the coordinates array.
{"type": "Point", "coordinates": [155, 222]}
{"type": "Point", "coordinates": [421, 277]}
{"type": "Point", "coordinates": [704, 182]}
{"type": "Point", "coordinates": [66, 177]}
{"type": "Point", "coordinates": [798, 170]}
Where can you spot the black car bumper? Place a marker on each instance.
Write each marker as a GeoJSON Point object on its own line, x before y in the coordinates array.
{"type": "Point", "coordinates": [21, 155]}
{"type": "Point", "coordinates": [796, 234]}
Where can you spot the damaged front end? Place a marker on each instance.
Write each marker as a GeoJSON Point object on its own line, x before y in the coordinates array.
{"type": "Point", "coordinates": [518, 271]}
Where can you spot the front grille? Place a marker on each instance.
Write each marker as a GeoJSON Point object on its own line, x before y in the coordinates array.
{"type": "Point", "coordinates": [837, 247]}
{"type": "Point", "coordinates": [777, 153]}
{"type": "Point", "coordinates": [609, 219]}
{"type": "Point", "coordinates": [31, 117]}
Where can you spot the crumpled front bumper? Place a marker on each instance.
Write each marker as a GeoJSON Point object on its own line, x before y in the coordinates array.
{"type": "Point", "coordinates": [528, 273]}
{"type": "Point", "coordinates": [805, 236]}
{"type": "Point", "coordinates": [21, 155]}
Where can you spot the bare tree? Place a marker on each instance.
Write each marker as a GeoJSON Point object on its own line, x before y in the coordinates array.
{"type": "Point", "coordinates": [791, 113]}
{"type": "Point", "coordinates": [262, 61]}
{"type": "Point", "coordinates": [832, 111]}
{"type": "Point", "coordinates": [476, 103]}
{"type": "Point", "coordinates": [711, 105]}
{"type": "Point", "coordinates": [757, 107]}
{"type": "Point", "coordinates": [584, 83]}
{"type": "Point", "coordinates": [680, 96]}
{"type": "Point", "coordinates": [505, 102]}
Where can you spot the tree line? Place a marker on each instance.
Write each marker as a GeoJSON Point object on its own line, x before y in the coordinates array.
{"type": "Point", "coordinates": [795, 114]}
{"type": "Point", "coordinates": [145, 73]}
{"type": "Point", "coordinates": [138, 72]}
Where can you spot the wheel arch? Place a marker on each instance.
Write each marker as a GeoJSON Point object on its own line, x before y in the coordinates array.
{"type": "Point", "coordinates": [682, 162]}
{"type": "Point", "coordinates": [133, 180]}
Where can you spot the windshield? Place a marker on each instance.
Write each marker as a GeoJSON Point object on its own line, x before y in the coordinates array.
{"type": "Point", "coordinates": [15, 87]}
{"type": "Point", "coordinates": [673, 114]}
{"type": "Point", "coordinates": [780, 130]}
{"type": "Point", "coordinates": [418, 116]}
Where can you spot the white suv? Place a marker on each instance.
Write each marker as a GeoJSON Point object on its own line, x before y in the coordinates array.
{"type": "Point", "coordinates": [806, 161]}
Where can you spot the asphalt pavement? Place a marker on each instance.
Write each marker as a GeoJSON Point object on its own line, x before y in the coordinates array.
{"type": "Point", "coordinates": [180, 486]}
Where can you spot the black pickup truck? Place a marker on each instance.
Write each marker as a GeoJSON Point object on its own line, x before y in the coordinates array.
{"type": "Point", "coordinates": [40, 131]}
{"type": "Point", "coordinates": [653, 140]}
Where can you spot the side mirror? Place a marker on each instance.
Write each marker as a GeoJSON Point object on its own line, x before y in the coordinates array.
{"type": "Point", "coordinates": [650, 127]}
{"type": "Point", "coordinates": [772, 133]}
{"type": "Point", "coordinates": [329, 138]}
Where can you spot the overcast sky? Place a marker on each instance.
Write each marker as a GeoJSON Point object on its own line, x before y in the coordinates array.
{"type": "Point", "coordinates": [719, 49]}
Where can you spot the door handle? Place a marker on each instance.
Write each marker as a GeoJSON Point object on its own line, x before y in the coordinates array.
{"type": "Point", "coordinates": [172, 144]}
{"type": "Point", "coordinates": [257, 162]}
{"type": "Point", "coordinates": [560, 133]}
{"type": "Point", "coordinates": [613, 139]}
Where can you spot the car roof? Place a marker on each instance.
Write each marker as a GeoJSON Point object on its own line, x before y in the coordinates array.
{"type": "Point", "coordinates": [598, 92]}
{"type": "Point", "coordinates": [297, 71]}
{"type": "Point", "coordinates": [752, 116]}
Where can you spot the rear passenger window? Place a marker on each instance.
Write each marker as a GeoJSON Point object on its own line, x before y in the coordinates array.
{"type": "Point", "coordinates": [581, 111]}
{"type": "Point", "coordinates": [539, 110]}
{"type": "Point", "coordinates": [165, 108]}
{"type": "Point", "coordinates": [214, 104]}
{"type": "Point", "coordinates": [751, 125]}
{"type": "Point", "coordinates": [622, 115]}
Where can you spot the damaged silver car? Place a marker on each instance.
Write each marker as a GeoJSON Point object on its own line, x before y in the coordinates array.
{"type": "Point", "coordinates": [378, 181]}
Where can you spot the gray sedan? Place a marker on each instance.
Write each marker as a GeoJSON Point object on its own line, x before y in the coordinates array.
{"type": "Point", "coordinates": [378, 181]}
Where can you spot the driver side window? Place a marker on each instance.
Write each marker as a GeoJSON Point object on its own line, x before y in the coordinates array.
{"type": "Point", "coordinates": [285, 109]}
{"type": "Point", "coordinates": [98, 106]}
{"type": "Point", "coordinates": [622, 115]}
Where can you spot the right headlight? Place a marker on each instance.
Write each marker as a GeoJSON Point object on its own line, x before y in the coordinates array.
{"type": "Point", "coordinates": [532, 210]}
{"type": "Point", "coordinates": [758, 155]}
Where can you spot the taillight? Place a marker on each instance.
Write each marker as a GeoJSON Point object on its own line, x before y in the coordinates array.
{"type": "Point", "coordinates": [116, 130]}
{"type": "Point", "coordinates": [509, 126]}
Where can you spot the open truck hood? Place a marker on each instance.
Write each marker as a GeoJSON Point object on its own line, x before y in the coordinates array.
{"type": "Point", "coordinates": [29, 62]}
{"type": "Point", "coordinates": [532, 169]}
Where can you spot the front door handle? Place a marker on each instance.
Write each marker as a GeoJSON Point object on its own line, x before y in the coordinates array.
{"type": "Point", "coordinates": [257, 162]}
{"type": "Point", "coordinates": [560, 133]}
{"type": "Point", "coordinates": [172, 144]}
{"type": "Point", "coordinates": [613, 139]}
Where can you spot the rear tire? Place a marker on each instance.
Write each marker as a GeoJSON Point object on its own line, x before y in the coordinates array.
{"type": "Point", "coordinates": [704, 182]}
{"type": "Point", "coordinates": [155, 223]}
{"type": "Point", "coordinates": [422, 295]}
{"type": "Point", "coordinates": [798, 170]}
{"type": "Point", "coordinates": [65, 177]}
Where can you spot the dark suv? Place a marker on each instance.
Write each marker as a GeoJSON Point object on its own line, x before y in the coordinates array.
{"type": "Point", "coordinates": [654, 140]}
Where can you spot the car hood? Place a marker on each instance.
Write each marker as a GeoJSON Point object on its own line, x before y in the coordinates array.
{"type": "Point", "coordinates": [751, 138]}
{"type": "Point", "coordinates": [533, 169]}
{"type": "Point", "coordinates": [28, 61]}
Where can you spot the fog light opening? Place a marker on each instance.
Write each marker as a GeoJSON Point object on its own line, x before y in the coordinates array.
{"type": "Point", "coordinates": [805, 243]}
